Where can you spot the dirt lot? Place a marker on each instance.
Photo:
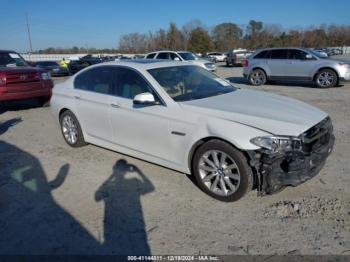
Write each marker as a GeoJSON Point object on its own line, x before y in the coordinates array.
{"type": "Point", "coordinates": [58, 200]}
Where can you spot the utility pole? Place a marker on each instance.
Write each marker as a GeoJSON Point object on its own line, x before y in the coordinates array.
{"type": "Point", "coordinates": [29, 37]}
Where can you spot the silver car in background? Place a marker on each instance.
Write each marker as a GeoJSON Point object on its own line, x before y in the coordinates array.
{"type": "Point", "coordinates": [295, 64]}
{"type": "Point", "coordinates": [184, 56]}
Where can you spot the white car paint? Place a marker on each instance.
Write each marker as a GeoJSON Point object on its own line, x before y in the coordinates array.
{"type": "Point", "coordinates": [219, 57]}
{"type": "Point", "coordinates": [147, 132]}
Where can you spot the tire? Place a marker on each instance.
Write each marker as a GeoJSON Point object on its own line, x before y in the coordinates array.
{"type": "Point", "coordinates": [71, 130]}
{"type": "Point", "coordinates": [44, 101]}
{"type": "Point", "coordinates": [257, 77]}
{"type": "Point", "coordinates": [326, 78]}
{"type": "Point", "coordinates": [230, 167]}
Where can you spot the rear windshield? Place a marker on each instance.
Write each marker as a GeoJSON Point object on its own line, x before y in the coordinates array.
{"type": "Point", "coordinates": [11, 60]}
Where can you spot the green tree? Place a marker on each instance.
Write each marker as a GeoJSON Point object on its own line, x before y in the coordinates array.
{"type": "Point", "coordinates": [176, 40]}
{"type": "Point", "coordinates": [199, 41]}
{"type": "Point", "coordinates": [227, 36]}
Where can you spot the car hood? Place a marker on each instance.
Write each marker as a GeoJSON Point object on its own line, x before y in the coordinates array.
{"type": "Point", "coordinates": [272, 113]}
{"type": "Point", "coordinates": [201, 61]}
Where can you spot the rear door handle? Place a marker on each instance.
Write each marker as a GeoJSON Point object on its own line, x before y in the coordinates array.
{"type": "Point", "coordinates": [77, 97]}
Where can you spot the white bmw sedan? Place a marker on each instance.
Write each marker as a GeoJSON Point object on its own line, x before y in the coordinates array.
{"type": "Point", "coordinates": [185, 118]}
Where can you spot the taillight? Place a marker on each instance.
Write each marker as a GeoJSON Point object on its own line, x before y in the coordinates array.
{"type": "Point", "coordinates": [245, 63]}
{"type": "Point", "coordinates": [2, 80]}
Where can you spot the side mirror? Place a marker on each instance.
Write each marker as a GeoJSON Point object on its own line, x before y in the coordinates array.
{"type": "Point", "coordinates": [144, 99]}
{"type": "Point", "coordinates": [176, 59]}
{"type": "Point", "coordinates": [309, 57]}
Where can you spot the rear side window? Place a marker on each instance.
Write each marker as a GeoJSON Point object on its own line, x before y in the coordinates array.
{"type": "Point", "coordinates": [163, 56]}
{"type": "Point", "coordinates": [279, 54]}
{"type": "Point", "coordinates": [99, 80]}
{"type": "Point", "coordinates": [150, 56]}
{"type": "Point", "coordinates": [262, 55]}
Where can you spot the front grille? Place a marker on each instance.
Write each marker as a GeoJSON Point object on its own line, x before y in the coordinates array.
{"type": "Point", "coordinates": [318, 135]}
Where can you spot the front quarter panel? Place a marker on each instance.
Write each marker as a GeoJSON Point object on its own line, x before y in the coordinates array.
{"type": "Point", "coordinates": [237, 134]}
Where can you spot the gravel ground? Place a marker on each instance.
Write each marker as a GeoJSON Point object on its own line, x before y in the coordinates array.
{"type": "Point", "coordinates": [55, 199]}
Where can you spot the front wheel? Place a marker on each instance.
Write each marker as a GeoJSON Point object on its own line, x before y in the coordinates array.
{"type": "Point", "coordinates": [257, 77]}
{"type": "Point", "coordinates": [326, 78]}
{"type": "Point", "coordinates": [222, 171]}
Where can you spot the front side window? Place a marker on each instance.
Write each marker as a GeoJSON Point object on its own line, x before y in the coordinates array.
{"type": "Point", "coordinates": [150, 56]}
{"type": "Point", "coordinates": [99, 79]}
{"type": "Point", "coordinates": [129, 83]}
{"type": "Point", "coordinates": [173, 56]}
{"type": "Point", "coordinates": [297, 54]}
{"type": "Point", "coordinates": [184, 83]}
{"type": "Point", "coordinates": [11, 60]}
{"type": "Point", "coordinates": [163, 56]}
{"type": "Point", "coordinates": [279, 54]}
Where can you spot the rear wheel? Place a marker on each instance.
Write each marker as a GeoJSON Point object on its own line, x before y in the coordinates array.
{"type": "Point", "coordinates": [71, 129]}
{"type": "Point", "coordinates": [222, 171]}
{"type": "Point", "coordinates": [326, 78]}
{"type": "Point", "coordinates": [257, 77]}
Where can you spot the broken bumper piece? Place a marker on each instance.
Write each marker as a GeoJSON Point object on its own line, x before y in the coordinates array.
{"type": "Point", "coordinates": [278, 170]}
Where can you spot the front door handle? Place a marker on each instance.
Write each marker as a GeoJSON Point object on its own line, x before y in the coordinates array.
{"type": "Point", "coordinates": [115, 105]}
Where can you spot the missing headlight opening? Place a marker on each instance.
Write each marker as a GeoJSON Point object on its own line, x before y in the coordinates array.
{"type": "Point", "coordinates": [290, 166]}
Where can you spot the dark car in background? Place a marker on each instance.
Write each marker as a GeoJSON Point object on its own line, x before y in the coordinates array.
{"type": "Point", "coordinates": [85, 61]}
{"type": "Point", "coordinates": [53, 67]}
{"type": "Point", "coordinates": [19, 80]}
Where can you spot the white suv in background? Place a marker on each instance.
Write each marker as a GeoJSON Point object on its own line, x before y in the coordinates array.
{"type": "Point", "coordinates": [185, 56]}
{"type": "Point", "coordinates": [219, 57]}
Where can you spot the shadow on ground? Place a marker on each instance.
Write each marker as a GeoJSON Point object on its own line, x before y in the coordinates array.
{"type": "Point", "coordinates": [32, 222]}
{"type": "Point", "coordinates": [19, 105]}
{"type": "Point", "coordinates": [242, 80]}
{"type": "Point", "coordinates": [4, 126]}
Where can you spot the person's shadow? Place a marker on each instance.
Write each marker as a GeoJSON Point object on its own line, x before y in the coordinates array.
{"type": "Point", "coordinates": [124, 226]}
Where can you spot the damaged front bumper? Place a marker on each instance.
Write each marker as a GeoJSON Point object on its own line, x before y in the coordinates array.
{"type": "Point", "coordinates": [277, 170]}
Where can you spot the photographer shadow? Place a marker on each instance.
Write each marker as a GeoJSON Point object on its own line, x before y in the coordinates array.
{"type": "Point", "coordinates": [124, 226]}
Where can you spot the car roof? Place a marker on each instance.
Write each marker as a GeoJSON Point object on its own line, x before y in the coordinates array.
{"type": "Point", "coordinates": [7, 51]}
{"type": "Point", "coordinates": [145, 64]}
{"type": "Point", "coordinates": [278, 48]}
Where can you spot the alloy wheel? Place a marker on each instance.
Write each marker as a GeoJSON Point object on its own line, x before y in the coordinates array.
{"type": "Point", "coordinates": [69, 129]}
{"type": "Point", "coordinates": [257, 78]}
{"type": "Point", "coordinates": [325, 79]}
{"type": "Point", "coordinates": [219, 172]}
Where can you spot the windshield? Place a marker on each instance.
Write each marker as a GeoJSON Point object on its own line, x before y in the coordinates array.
{"type": "Point", "coordinates": [317, 54]}
{"type": "Point", "coordinates": [184, 83]}
{"type": "Point", "coordinates": [11, 60]}
{"type": "Point", "coordinates": [187, 56]}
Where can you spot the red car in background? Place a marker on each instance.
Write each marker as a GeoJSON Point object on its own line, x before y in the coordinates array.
{"type": "Point", "coordinates": [18, 80]}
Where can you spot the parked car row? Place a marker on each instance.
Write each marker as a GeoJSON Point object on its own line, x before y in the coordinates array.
{"type": "Point", "coordinates": [184, 56]}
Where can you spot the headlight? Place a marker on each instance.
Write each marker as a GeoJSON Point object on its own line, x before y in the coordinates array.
{"type": "Point", "coordinates": [277, 143]}
{"type": "Point", "coordinates": [346, 65]}
{"type": "Point", "coordinates": [45, 76]}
